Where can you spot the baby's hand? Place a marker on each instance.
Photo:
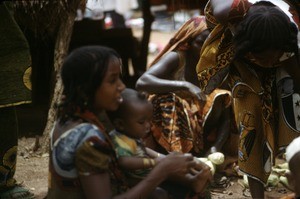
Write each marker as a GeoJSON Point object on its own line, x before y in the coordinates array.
{"type": "Point", "coordinates": [196, 92]}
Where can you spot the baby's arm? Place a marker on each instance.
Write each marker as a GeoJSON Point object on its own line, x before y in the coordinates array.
{"type": "Point", "coordinates": [135, 163]}
{"type": "Point", "coordinates": [154, 154]}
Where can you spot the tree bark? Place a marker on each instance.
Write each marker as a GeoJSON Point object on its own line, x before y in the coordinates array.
{"type": "Point", "coordinates": [60, 52]}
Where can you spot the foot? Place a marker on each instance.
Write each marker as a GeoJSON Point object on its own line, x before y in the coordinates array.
{"type": "Point", "coordinates": [17, 192]}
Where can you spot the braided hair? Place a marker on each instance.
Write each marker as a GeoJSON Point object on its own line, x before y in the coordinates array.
{"type": "Point", "coordinates": [265, 26]}
{"type": "Point", "coordinates": [82, 73]}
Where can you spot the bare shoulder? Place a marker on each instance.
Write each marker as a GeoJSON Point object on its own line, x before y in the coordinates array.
{"type": "Point", "coordinates": [166, 64]}
{"type": "Point", "coordinates": [221, 9]}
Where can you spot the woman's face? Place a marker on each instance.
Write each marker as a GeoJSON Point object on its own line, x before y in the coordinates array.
{"type": "Point", "coordinates": [267, 58]}
{"type": "Point", "coordinates": [108, 94]}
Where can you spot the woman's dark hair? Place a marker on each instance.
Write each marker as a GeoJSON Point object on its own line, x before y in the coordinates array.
{"type": "Point", "coordinates": [82, 73]}
{"type": "Point", "coordinates": [265, 26]}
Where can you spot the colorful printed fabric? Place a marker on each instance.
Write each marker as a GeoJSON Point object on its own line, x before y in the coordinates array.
{"type": "Point", "coordinates": [264, 101]}
{"type": "Point", "coordinates": [128, 147]}
{"type": "Point", "coordinates": [82, 150]}
{"type": "Point", "coordinates": [15, 62]}
{"type": "Point", "coordinates": [217, 51]}
{"type": "Point", "coordinates": [178, 122]}
{"type": "Point", "coordinates": [8, 147]}
{"type": "Point", "coordinates": [15, 90]}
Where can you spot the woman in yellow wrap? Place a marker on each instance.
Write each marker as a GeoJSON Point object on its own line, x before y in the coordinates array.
{"type": "Point", "coordinates": [252, 49]}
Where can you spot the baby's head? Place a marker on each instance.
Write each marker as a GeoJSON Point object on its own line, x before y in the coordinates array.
{"type": "Point", "coordinates": [134, 115]}
{"type": "Point", "coordinates": [293, 158]}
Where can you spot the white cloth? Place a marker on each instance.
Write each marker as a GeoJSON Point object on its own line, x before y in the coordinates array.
{"type": "Point", "coordinates": [120, 6]}
{"type": "Point", "coordinates": [292, 149]}
{"type": "Point", "coordinates": [124, 6]}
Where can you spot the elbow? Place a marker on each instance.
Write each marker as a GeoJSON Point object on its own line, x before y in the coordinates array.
{"type": "Point", "coordinates": [146, 83]}
{"type": "Point", "coordinates": [141, 84]}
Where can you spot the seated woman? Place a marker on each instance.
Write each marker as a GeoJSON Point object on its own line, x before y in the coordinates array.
{"type": "Point", "coordinates": [184, 118]}
{"type": "Point", "coordinates": [83, 162]}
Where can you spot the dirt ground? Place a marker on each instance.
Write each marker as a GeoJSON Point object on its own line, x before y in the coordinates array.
{"type": "Point", "coordinates": [32, 172]}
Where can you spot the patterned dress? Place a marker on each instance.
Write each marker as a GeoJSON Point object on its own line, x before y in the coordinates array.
{"type": "Point", "coordinates": [15, 71]}
{"type": "Point", "coordinates": [128, 147]}
{"type": "Point", "coordinates": [82, 150]}
{"type": "Point", "coordinates": [267, 113]}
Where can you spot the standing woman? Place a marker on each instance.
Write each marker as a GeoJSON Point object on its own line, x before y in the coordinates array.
{"type": "Point", "coordinates": [253, 49]}
{"type": "Point", "coordinates": [82, 160]}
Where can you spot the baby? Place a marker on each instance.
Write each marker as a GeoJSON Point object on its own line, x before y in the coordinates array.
{"type": "Point", "coordinates": [132, 122]}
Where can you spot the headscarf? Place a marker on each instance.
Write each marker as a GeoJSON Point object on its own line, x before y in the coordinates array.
{"type": "Point", "coordinates": [180, 41]}
{"type": "Point", "coordinates": [217, 51]}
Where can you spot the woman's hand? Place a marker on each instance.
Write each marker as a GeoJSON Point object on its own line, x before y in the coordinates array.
{"type": "Point", "coordinates": [195, 91]}
{"type": "Point", "coordinates": [177, 164]}
{"type": "Point", "coordinates": [159, 158]}
{"type": "Point", "coordinates": [200, 176]}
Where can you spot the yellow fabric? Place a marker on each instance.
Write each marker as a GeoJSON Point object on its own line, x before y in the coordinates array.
{"type": "Point", "coordinates": [126, 143]}
{"type": "Point", "coordinates": [217, 51]}
{"type": "Point", "coordinates": [258, 110]}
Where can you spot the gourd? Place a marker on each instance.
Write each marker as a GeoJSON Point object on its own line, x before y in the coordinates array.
{"type": "Point", "coordinates": [212, 160]}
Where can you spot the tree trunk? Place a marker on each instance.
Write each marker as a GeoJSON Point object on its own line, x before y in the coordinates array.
{"type": "Point", "coordinates": [60, 52]}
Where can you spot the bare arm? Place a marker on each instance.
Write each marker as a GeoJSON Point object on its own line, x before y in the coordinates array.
{"type": "Point", "coordinates": [158, 79]}
{"type": "Point", "coordinates": [133, 163]}
{"type": "Point", "coordinates": [97, 186]}
{"type": "Point", "coordinates": [154, 154]}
